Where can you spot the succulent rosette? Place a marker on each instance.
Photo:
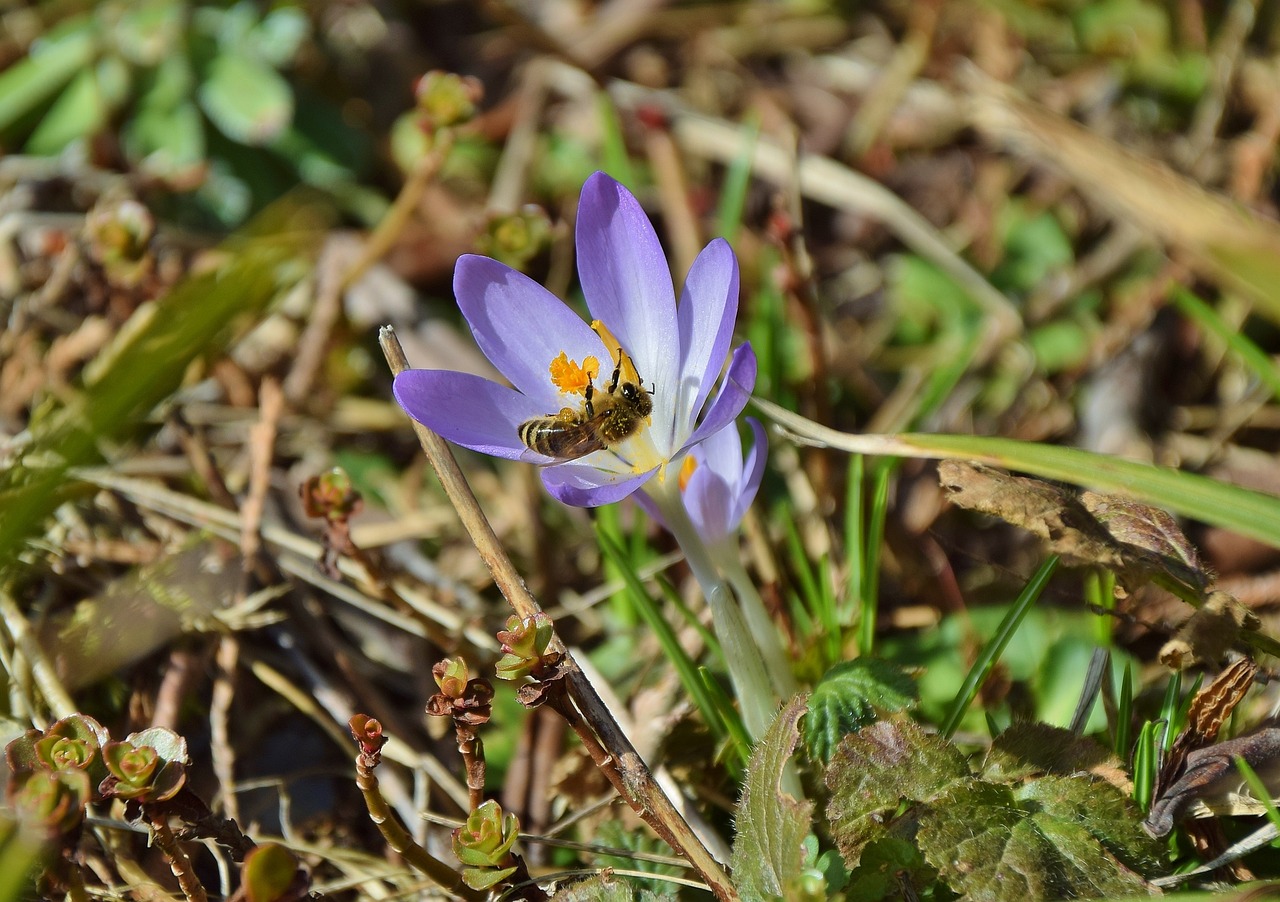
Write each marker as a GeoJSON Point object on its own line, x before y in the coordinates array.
{"type": "Point", "coordinates": [675, 352]}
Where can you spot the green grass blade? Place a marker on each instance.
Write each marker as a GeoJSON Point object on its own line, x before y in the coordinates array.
{"type": "Point", "coordinates": [875, 541]}
{"type": "Point", "coordinates": [1251, 355]}
{"type": "Point", "coordinates": [828, 614]}
{"type": "Point", "coordinates": [1124, 714]}
{"type": "Point", "coordinates": [855, 542]}
{"type": "Point", "coordinates": [1099, 593]}
{"type": "Point", "coordinates": [616, 161]}
{"type": "Point", "coordinates": [1242, 511]}
{"type": "Point", "coordinates": [733, 196]}
{"type": "Point", "coordinates": [147, 362]}
{"type": "Point", "coordinates": [995, 647]}
{"type": "Point", "coordinates": [1259, 790]}
{"type": "Point", "coordinates": [1145, 766]}
{"type": "Point", "coordinates": [738, 746]}
{"type": "Point", "coordinates": [644, 605]}
{"type": "Point", "coordinates": [673, 598]}
{"type": "Point", "coordinates": [802, 567]}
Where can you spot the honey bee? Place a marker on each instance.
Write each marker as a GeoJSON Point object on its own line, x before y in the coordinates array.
{"type": "Point", "coordinates": [606, 418]}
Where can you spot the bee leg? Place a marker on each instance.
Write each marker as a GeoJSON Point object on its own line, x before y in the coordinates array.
{"type": "Point", "coordinates": [591, 390]}
{"type": "Point", "coordinates": [617, 374]}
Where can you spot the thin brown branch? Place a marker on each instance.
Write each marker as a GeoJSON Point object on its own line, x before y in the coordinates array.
{"type": "Point", "coordinates": [399, 839]}
{"type": "Point", "coordinates": [179, 863]}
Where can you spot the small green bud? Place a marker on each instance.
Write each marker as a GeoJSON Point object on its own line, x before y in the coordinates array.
{"type": "Point", "coordinates": [516, 238]}
{"type": "Point", "coordinates": [524, 646]}
{"type": "Point", "coordinates": [484, 844]}
{"type": "Point", "coordinates": [52, 802]}
{"type": "Point", "coordinates": [446, 99]}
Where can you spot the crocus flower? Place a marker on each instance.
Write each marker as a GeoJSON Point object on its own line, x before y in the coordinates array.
{"type": "Point", "coordinates": [553, 359]}
{"type": "Point", "coordinates": [716, 484]}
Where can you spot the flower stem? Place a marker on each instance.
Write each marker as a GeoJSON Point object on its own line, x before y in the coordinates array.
{"type": "Point", "coordinates": [763, 629]}
{"type": "Point", "coordinates": [741, 654]}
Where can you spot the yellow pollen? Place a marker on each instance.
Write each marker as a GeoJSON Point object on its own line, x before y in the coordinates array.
{"type": "Point", "coordinates": [628, 373]}
{"type": "Point", "coordinates": [571, 378]}
{"type": "Point", "coordinates": [686, 471]}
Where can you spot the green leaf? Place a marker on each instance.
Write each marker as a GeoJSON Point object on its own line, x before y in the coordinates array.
{"type": "Point", "coordinates": [874, 770]}
{"type": "Point", "coordinates": [767, 854]}
{"type": "Point", "coordinates": [248, 101]}
{"type": "Point", "coordinates": [268, 872]}
{"type": "Point", "coordinates": [1027, 749]}
{"type": "Point", "coordinates": [78, 112]}
{"type": "Point", "coordinates": [146, 33]}
{"type": "Point", "coordinates": [279, 36]}
{"type": "Point", "coordinates": [605, 888]}
{"type": "Point", "coordinates": [1035, 247]}
{"type": "Point", "coordinates": [53, 62]}
{"type": "Point", "coordinates": [888, 865]}
{"type": "Point", "coordinates": [166, 140]}
{"type": "Point", "coordinates": [1100, 808]}
{"type": "Point", "coordinates": [846, 699]}
{"type": "Point", "coordinates": [995, 844]}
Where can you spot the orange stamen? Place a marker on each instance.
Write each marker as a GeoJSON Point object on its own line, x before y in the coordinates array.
{"type": "Point", "coordinates": [571, 378]}
{"type": "Point", "coordinates": [628, 373]}
{"type": "Point", "coordinates": [686, 471]}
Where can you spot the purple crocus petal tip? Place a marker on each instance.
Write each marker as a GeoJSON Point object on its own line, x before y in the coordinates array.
{"type": "Point", "coordinates": [627, 282]}
{"type": "Point", "coordinates": [706, 315]}
{"type": "Point", "coordinates": [734, 393]}
{"type": "Point", "coordinates": [752, 468]}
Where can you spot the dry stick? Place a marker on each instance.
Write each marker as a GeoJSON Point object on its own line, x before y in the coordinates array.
{"type": "Point", "coordinates": [42, 669]}
{"type": "Point", "coordinates": [179, 863]}
{"type": "Point", "coordinates": [622, 765]}
{"type": "Point", "coordinates": [383, 237]}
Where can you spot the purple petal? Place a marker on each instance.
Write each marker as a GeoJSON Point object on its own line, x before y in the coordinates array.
{"type": "Point", "coordinates": [521, 327]}
{"type": "Point", "coordinates": [706, 315]}
{"type": "Point", "coordinates": [468, 410]}
{"type": "Point", "coordinates": [580, 485]}
{"type": "Point", "coordinates": [722, 452]}
{"type": "Point", "coordinates": [753, 470]}
{"type": "Point", "coordinates": [627, 283]}
{"type": "Point", "coordinates": [734, 392]}
{"type": "Point", "coordinates": [709, 501]}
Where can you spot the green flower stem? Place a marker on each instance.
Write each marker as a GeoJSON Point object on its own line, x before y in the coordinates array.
{"type": "Point", "coordinates": [765, 631]}
{"type": "Point", "coordinates": [741, 654]}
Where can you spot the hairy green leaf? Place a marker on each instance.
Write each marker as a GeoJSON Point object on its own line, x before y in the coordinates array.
{"type": "Point", "coordinates": [993, 843]}
{"type": "Point", "coordinates": [771, 825]}
{"type": "Point", "coordinates": [874, 770]}
{"type": "Point", "coordinates": [1029, 749]}
{"type": "Point", "coordinates": [846, 699]}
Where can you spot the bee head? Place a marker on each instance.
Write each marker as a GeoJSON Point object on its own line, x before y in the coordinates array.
{"type": "Point", "coordinates": [636, 397]}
